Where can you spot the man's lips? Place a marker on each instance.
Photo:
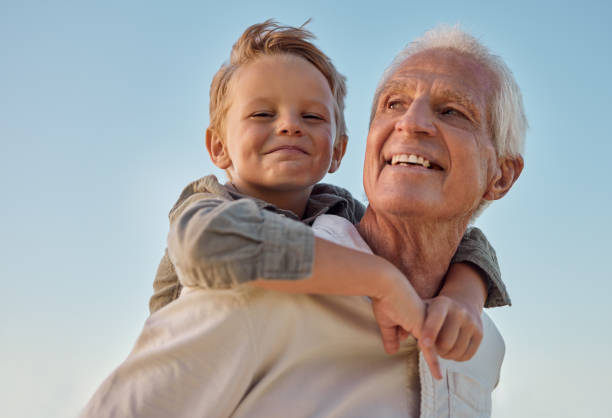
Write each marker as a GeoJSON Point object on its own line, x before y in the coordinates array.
{"type": "Point", "coordinates": [287, 148]}
{"type": "Point", "coordinates": [412, 159]}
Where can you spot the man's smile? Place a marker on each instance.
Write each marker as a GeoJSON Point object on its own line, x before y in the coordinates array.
{"type": "Point", "coordinates": [412, 159]}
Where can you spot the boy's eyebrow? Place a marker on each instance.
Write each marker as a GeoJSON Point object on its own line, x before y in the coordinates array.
{"type": "Point", "coordinates": [318, 103]}
{"type": "Point", "coordinates": [263, 101]}
{"type": "Point", "coordinates": [257, 101]}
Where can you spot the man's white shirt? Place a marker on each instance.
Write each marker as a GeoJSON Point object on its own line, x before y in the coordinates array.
{"type": "Point", "coordinates": [248, 352]}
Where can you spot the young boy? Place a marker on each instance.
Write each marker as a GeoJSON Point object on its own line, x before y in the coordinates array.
{"type": "Point", "coordinates": [276, 128]}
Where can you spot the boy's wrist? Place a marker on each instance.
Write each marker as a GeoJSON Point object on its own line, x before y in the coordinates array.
{"type": "Point", "coordinates": [386, 279]}
{"type": "Point", "coordinates": [481, 273]}
{"type": "Point", "coordinates": [464, 283]}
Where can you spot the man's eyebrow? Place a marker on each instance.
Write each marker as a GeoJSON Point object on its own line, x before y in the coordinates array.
{"type": "Point", "coordinates": [461, 98]}
{"type": "Point", "coordinates": [446, 93]}
{"type": "Point", "coordinates": [396, 85]}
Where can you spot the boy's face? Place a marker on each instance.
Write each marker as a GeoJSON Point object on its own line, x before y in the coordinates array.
{"type": "Point", "coordinates": [280, 127]}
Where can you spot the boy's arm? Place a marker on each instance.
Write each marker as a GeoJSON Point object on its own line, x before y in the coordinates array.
{"type": "Point", "coordinates": [275, 241]}
{"type": "Point", "coordinates": [216, 243]}
{"type": "Point", "coordinates": [397, 307]}
{"type": "Point", "coordinates": [476, 249]}
{"type": "Point", "coordinates": [222, 244]}
{"type": "Point", "coordinates": [219, 243]}
{"type": "Point", "coordinates": [453, 317]}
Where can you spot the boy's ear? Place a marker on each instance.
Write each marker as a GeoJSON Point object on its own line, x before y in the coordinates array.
{"type": "Point", "coordinates": [508, 170]}
{"type": "Point", "coordinates": [338, 153]}
{"type": "Point", "coordinates": [217, 150]}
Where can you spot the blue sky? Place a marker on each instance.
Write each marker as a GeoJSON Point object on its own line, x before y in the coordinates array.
{"type": "Point", "coordinates": [103, 108]}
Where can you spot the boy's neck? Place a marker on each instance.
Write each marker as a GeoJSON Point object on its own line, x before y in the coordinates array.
{"type": "Point", "coordinates": [292, 200]}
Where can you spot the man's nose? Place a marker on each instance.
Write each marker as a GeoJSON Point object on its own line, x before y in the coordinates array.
{"type": "Point", "coordinates": [289, 125]}
{"type": "Point", "coordinates": [418, 119]}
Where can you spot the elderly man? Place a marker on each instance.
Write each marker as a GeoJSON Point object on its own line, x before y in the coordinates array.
{"type": "Point", "coordinates": [250, 352]}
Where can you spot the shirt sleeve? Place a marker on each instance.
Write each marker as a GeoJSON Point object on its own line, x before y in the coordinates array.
{"type": "Point", "coordinates": [166, 286]}
{"type": "Point", "coordinates": [348, 207]}
{"type": "Point", "coordinates": [216, 243]}
{"type": "Point", "coordinates": [355, 211]}
{"type": "Point", "coordinates": [476, 249]}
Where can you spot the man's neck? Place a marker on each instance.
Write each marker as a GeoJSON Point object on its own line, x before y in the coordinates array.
{"type": "Point", "coordinates": [420, 250]}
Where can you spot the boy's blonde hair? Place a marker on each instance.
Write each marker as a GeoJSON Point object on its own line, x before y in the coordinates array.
{"type": "Point", "coordinates": [269, 38]}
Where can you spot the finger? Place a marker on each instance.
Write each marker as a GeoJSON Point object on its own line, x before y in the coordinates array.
{"type": "Point", "coordinates": [431, 358]}
{"type": "Point", "coordinates": [447, 337]}
{"type": "Point", "coordinates": [403, 334]}
{"type": "Point", "coordinates": [390, 338]}
{"type": "Point", "coordinates": [472, 347]}
{"type": "Point", "coordinates": [436, 314]}
{"type": "Point", "coordinates": [458, 351]}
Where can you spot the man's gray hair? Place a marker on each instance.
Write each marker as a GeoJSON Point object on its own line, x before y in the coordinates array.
{"type": "Point", "coordinates": [508, 122]}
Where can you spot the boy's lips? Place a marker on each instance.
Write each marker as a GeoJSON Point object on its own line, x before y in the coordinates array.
{"type": "Point", "coordinates": [287, 148]}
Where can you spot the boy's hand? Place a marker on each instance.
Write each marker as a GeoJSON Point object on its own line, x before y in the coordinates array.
{"type": "Point", "coordinates": [399, 314]}
{"type": "Point", "coordinates": [454, 326]}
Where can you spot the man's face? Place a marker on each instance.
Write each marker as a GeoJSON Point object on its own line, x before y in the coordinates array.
{"type": "Point", "coordinates": [429, 151]}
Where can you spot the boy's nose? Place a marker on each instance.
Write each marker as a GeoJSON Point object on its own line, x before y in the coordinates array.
{"type": "Point", "coordinates": [289, 126]}
{"type": "Point", "coordinates": [291, 131]}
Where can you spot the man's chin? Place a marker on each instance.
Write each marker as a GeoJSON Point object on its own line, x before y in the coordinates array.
{"type": "Point", "coordinates": [404, 203]}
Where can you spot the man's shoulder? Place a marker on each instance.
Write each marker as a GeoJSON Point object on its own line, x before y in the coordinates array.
{"type": "Point", "coordinates": [196, 304]}
{"type": "Point", "coordinates": [339, 231]}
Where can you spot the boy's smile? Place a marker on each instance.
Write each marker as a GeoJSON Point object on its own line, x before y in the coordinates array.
{"type": "Point", "coordinates": [289, 149]}
{"type": "Point", "coordinates": [280, 128]}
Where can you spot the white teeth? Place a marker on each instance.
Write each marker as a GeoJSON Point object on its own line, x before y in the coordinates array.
{"type": "Point", "coordinates": [411, 159]}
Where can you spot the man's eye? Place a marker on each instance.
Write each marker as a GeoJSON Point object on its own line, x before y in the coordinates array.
{"type": "Point", "coordinates": [395, 105]}
{"type": "Point", "coordinates": [451, 111]}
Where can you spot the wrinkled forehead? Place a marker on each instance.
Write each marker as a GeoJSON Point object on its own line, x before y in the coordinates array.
{"type": "Point", "coordinates": [446, 73]}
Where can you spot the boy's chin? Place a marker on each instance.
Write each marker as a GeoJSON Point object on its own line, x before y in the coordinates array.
{"type": "Point", "coordinates": [294, 181]}
{"type": "Point", "coordinates": [291, 186]}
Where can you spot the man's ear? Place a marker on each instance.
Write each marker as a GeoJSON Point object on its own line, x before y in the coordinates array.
{"type": "Point", "coordinates": [217, 150]}
{"type": "Point", "coordinates": [508, 170]}
{"type": "Point", "coordinates": [338, 153]}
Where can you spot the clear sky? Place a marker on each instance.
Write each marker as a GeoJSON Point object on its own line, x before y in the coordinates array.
{"type": "Point", "coordinates": [103, 108]}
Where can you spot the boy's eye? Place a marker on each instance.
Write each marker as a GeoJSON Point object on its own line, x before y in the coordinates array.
{"type": "Point", "coordinates": [262, 114]}
{"type": "Point", "coordinates": [313, 116]}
